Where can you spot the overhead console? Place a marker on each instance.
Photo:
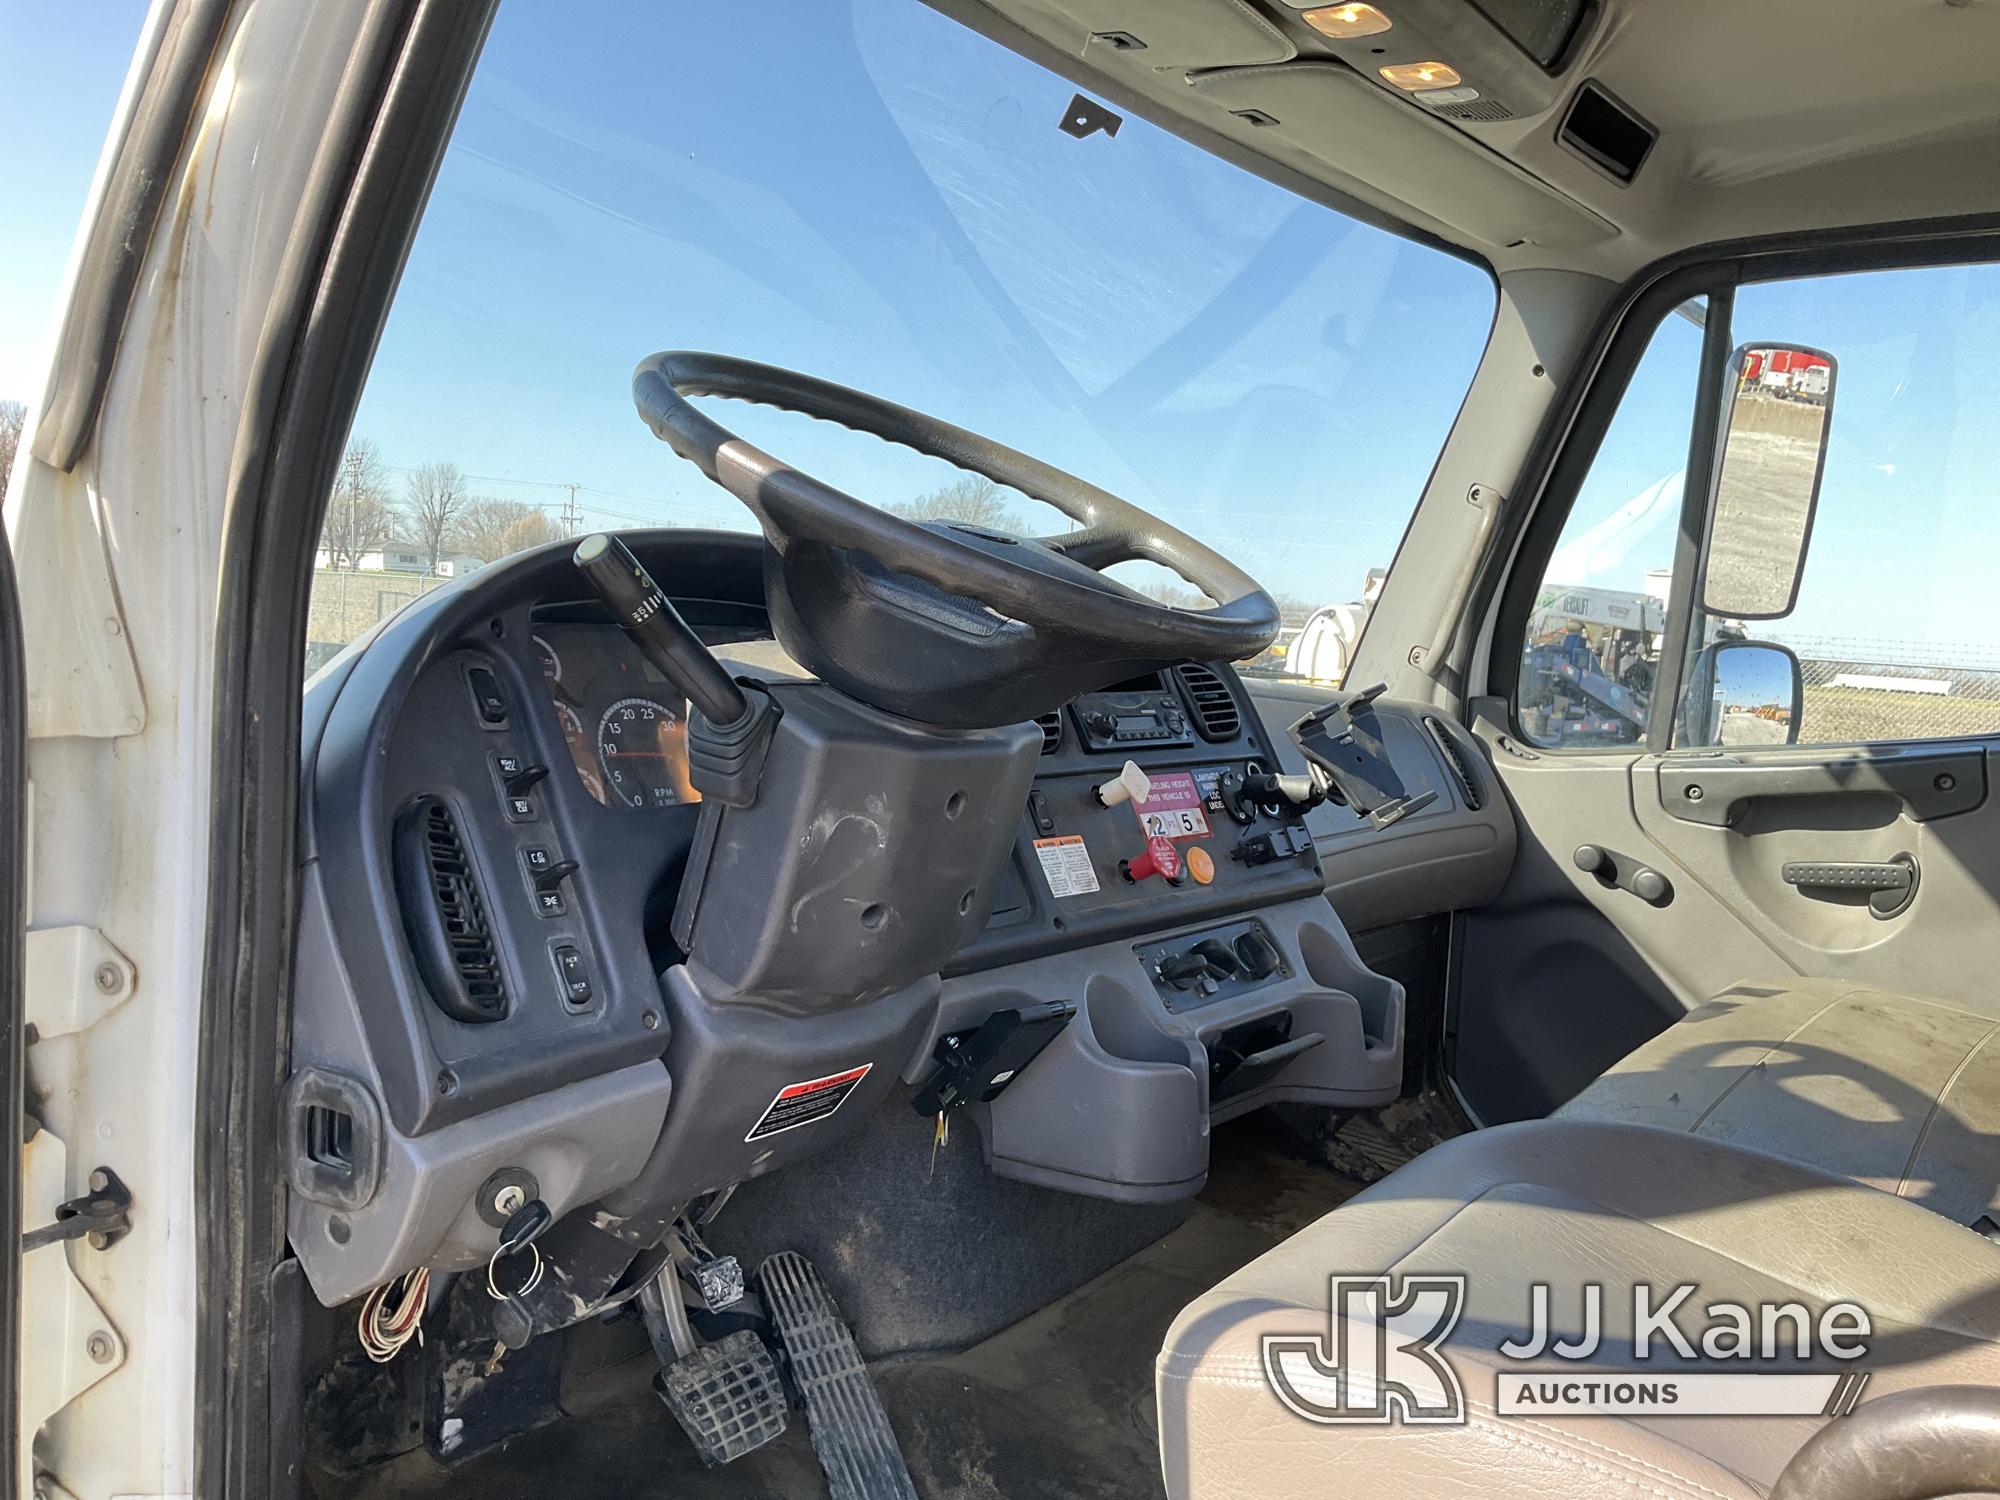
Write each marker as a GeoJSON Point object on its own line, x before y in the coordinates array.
{"type": "Point", "coordinates": [1417, 107]}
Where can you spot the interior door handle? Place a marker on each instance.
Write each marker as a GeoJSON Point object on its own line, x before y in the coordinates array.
{"type": "Point", "coordinates": [1890, 884]}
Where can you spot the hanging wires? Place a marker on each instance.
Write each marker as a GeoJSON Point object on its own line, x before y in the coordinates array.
{"type": "Point", "coordinates": [393, 1314]}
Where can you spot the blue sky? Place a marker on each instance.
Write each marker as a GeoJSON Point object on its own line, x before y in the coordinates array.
{"type": "Point", "coordinates": [882, 198]}
{"type": "Point", "coordinates": [62, 63]}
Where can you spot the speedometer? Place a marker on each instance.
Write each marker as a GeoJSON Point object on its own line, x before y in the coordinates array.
{"type": "Point", "coordinates": [642, 746]}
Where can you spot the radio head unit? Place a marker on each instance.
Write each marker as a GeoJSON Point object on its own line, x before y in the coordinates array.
{"type": "Point", "coordinates": [1142, 711]}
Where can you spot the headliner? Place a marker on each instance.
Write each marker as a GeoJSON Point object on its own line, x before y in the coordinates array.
{"type": "Point", "coordinates": [1777, 116]}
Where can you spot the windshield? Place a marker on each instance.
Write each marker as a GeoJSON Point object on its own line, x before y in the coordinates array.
{"type": "Point", "coordinates": [871, 193]}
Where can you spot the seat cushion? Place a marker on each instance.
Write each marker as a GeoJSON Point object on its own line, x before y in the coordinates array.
{"type": "Point", "coordinates": [1566, 1203]}
{"type": "Point", "coordinates": [1896, 1091]}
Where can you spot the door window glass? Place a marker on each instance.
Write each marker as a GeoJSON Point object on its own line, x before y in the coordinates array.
{"type": "Point", "coordinates": [1591, 656]}
{"type": "Point", "coordinates": [1894, 624]}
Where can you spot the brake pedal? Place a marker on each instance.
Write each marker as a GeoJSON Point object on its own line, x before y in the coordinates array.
{"type": "Point", "coordinates": [727, 1396]}
{"type": "Point", "coordinates": [851, 1435]}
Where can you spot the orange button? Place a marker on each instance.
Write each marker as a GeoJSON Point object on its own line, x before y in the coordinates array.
{"type": "Point", "coordinates": [1200, 865]}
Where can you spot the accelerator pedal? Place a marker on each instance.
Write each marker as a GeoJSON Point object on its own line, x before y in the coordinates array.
{"type": "Point", "coordinates": [851, 1436]}
{"type": "Point", "coordinates": [727, 1396]}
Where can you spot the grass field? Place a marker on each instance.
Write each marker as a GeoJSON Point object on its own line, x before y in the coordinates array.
{"type": "Point", "coordinates": [1836, 715]}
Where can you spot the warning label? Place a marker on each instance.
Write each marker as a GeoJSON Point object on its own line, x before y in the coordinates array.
{"type": "Point", "coordinates": [1066, 865]}
{"type": "Point", "coordinates": [807, 1103]}
{"type": "Point", "coordinates": [1172, 808]}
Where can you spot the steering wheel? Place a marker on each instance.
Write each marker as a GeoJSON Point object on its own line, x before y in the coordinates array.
{"type": "Point", "coordinates": [941, 622]}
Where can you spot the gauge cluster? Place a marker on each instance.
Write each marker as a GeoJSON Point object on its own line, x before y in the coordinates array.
{"type": "Point", "coordinates": [625, 726]}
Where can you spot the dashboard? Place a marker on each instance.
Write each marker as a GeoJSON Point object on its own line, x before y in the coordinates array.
{"type": "Point", "coordinates": [519, 920]}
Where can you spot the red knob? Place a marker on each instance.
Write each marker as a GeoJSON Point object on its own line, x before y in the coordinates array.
{"type": "Point", "coordinates": [1160, 858]}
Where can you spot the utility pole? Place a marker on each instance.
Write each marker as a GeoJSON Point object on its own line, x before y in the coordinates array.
{"type": "Point", "coordinates": [572, 523]}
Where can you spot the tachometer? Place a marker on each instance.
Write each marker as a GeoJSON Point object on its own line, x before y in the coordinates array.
{"type": "Point", "coordinates": [580, 751]}
{"type": "Point", "coordinates": [642, 746]}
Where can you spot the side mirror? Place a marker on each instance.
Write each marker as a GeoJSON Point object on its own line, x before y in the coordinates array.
{"type": "Point", "coordinates": [1774, 440]}
{"type": "Point", "coordinates": [1743, 693]}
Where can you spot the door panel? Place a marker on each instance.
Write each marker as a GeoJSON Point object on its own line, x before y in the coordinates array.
{"type": "Point", "coordinates": [1926, 807]}
{"type": "Point", "coordinates": [1867, 852]}
{"type": "Point", "coordinates": [1567, 971]}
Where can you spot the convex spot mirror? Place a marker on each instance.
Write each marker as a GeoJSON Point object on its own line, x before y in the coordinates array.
{"type": "Point", "coordinates": [1743, 693]}
{"type": "Point", "coordinates": [1774, 434]}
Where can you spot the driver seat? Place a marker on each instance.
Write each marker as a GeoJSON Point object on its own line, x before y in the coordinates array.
{"type": "Point", "coordinates": [1565, 1202]}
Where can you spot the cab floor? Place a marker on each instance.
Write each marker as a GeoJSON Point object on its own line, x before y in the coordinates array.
{"type": "Point", "coordinates": [1059, 1404]}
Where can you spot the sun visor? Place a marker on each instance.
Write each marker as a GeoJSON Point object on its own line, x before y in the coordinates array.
{"type": "Point", "coordinates": [1346, 129]}
{"type": "Point", "coordinates": [1164, 35]}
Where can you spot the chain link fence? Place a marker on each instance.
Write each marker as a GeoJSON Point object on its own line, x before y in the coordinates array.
{"type": "Point", "coordinates": [347, 603]}
{"type": "Point", "coordinates": [1863, 689]}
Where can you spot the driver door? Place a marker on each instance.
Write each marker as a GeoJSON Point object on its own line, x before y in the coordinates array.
{"type": "Point", "coordinates": [1692, 814]}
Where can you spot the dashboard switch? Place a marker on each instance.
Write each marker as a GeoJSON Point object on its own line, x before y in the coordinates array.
{"type": "Point", "coordinates": [1038, 811]}
{"type": "Point", "coordinates": [1218, 957]}
{"type": "Point", "coordinates": [1280, 843]}
{"type": "Point", "coordinates": [1258, 954]}
{"type": "Point", "coordinates": [1161, 858]}
{"type": "Point", "coordinates": [486, 696]}
{"type": "Point", "coordinates": [523, 778]}
{"type": "Point", "coordinates": [551, 878]}
{"type": "Point", "coordinates": [573, 974]}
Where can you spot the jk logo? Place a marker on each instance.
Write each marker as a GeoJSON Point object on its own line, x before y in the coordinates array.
{"type": "Point", "coordinates": [1379, 1360]}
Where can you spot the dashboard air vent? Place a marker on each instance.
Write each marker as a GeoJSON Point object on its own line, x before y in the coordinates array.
{"type": "Point", "coordinates": [1051, 728]}
{"type": "Point", "coordinates": [1468, 782]}
{"type": "Point", "coordinates": [1215, 711]}
{"type": "Point", "coordinates": [444, 915]}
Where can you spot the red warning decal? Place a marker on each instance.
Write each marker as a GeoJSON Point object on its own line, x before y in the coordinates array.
{"type": "Point", "coordinates": [807, 1103]}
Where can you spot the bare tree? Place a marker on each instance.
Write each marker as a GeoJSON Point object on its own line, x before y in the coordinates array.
{"type": "Point", "coordinates": [431, 503]}
{"type": "Point", "coordinates": [1293, 611]}
{"type": "Point", "coordinates": [358, 517]}
{"type": "Point", "coordinates": [484, 523]}
{"type": "Point", "coordinates": [13, 416]}
{"type": "Point", "coordinates": [530, 530]}
{"type": "Point", "coordinates": [973, 500]}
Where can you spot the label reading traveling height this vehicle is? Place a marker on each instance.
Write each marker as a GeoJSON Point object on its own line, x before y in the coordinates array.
{"type": "Point", "coordinates": [1171, 808]}
{"type": "Point", "coordinates": [807, 1103]}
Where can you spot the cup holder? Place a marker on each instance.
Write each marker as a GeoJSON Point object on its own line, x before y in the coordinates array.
{"type": "Point", "coordinates": [1114, 1107]}
{"type": "Point", "coordinates": [1125, 1024]}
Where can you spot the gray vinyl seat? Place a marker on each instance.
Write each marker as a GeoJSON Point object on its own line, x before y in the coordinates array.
{"type": "Point", "coordinates": [1804, 1140]}
{"type": "Point", "coordinates": [1568, 1203]}
{"type": "Point", "coordinates": [1896, 1091]}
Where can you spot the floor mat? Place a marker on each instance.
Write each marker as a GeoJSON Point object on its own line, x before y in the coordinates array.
{"type": "Point", "coordinates": [1059, 1405]}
